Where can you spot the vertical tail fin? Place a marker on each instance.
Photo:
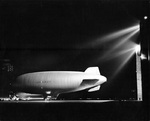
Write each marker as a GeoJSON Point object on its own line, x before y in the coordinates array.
{"type": "Point", "coordinates": [94, 70]}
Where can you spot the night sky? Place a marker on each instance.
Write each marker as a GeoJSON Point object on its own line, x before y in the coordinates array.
{"type": "Point", "coordinates": [58, 35]}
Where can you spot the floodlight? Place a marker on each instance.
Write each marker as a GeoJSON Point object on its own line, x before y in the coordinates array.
{"type": "Point", "coordinates": [138, 49]}
{"type": "Point", "coordinates": [145, 17]}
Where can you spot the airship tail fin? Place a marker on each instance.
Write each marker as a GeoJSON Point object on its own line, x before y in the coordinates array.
{"type": "Point", "coordinates": [94, 70]}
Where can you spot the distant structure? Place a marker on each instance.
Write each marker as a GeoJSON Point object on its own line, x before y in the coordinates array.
{"type": "Point", "coordinates": [139, 75]}
{"type": "Point", "coordinates": [6, 74]}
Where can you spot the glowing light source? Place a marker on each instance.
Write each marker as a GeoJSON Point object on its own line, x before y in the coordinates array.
{"type": "Point", "coordinates": [138, 49]}
{"type": "Point", "coordinates": [145, 17]}
{"type": "Point", "coordinates": [143, 57]}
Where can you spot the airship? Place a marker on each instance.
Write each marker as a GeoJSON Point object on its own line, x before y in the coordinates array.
{"type": "Point", "coordinates": [52, 83]}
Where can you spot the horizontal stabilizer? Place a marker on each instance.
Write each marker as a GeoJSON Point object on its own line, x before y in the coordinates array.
{"type": "Point", "coordinates": [94, 89]}
{"type": "Point", "coordinates": [93, 70]}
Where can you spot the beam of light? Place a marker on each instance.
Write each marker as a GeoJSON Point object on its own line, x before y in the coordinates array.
{"type": "Point", "coordinates": [111, 36]}
{"type": "Point", "coordinates": [122, 41]}
{"type": "Point", "coordinates": [120, 53]}
{"type": "Point", "coordinates": [120, 33]}
{"type": "Point", "coordinates": [126, 48]}
{"type": "Point", "coordinates": [128, 57]}
{"type": "Point", "coordinates": [125, 56]}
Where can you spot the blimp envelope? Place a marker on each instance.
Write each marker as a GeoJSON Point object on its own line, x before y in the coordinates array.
{"type": "Point", "coordinates": [53, 83]}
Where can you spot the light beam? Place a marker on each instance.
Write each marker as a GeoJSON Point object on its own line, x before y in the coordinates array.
{"type": "Point", "coordinates": [124, 62]}
{"type": "Point", "coordinates": [119, 44]}
{"type": "Point", "coordinates": [120, 33]}
{"type": "Point", "coordinates": [112, 36]}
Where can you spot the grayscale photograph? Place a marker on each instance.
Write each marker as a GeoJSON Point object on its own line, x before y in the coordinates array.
{"type": "Point", "coordinates": [74, 60]}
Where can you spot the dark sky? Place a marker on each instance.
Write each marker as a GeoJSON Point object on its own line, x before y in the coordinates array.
{"type": "Point", "coordinates": [48, 24]}
{"type": "Point", "coordinates": [52, 35]}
